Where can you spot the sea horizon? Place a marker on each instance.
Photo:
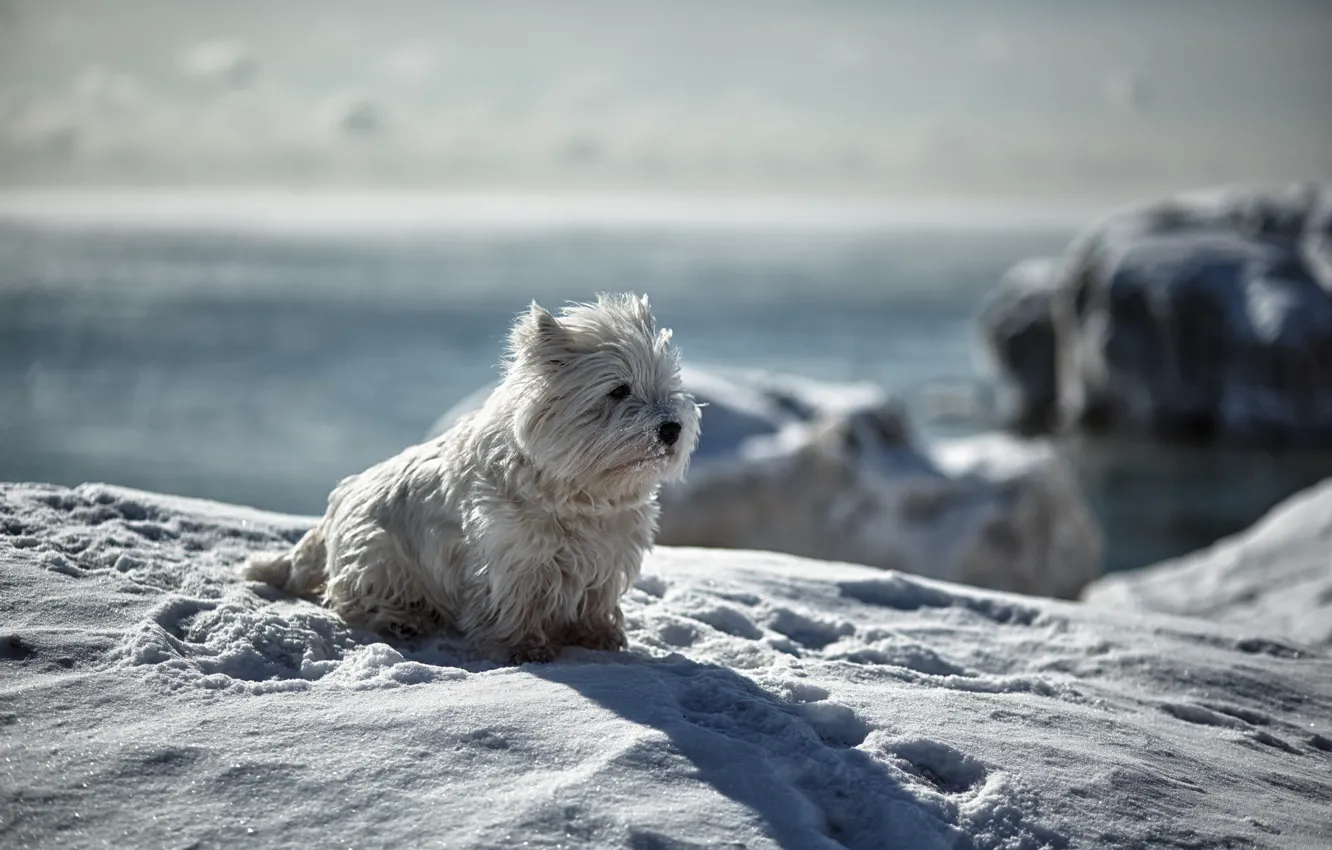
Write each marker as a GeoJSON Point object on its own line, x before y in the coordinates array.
{"type": "Point", "coordinates": [380, 211]}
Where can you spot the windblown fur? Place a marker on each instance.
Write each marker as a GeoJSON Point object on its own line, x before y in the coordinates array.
{"type": "Point", "coordinates": [523, 525]}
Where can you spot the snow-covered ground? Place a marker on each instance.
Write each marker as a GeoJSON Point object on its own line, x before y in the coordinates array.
{"type": "Point", "coordinates": [1275, 576]}
{"type": "Point", "coordinates": [148, 699]}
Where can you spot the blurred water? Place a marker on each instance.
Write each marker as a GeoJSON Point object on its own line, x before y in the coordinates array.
{"type": "Point", "coordinates": [262, 368]}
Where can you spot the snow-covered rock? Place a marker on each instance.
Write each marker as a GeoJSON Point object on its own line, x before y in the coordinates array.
{"type": "Point", "coordinates": [148, 698]}
{"type": "Point", "coordinates": [1207, 316]}
{"type": "Point", "coordinates": [1276, 576]}
{"type": "Point", "coordinates": [832, 471]}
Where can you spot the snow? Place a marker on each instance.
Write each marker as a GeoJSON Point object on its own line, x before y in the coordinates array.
{"type": "Point", "coordinates": [1276, 575]}
{"type": "Point", "coordinates": [148, 698]}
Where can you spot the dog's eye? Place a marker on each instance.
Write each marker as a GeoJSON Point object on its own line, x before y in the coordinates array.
{"type": "Point", "coordinates": [621, 392]}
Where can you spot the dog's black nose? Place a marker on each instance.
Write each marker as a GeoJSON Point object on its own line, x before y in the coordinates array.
{"type": "Point", "coordinates": [669, 432]}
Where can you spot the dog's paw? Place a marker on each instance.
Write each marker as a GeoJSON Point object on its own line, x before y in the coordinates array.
{"type": "Point", "coordinates": [609, 639]}
{"type": "Point", "coordinates": [542, 653]}
{"type": "Point", "coordinates": [400, 631]}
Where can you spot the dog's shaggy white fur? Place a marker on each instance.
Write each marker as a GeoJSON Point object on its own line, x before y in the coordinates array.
{"type": "Point", "coordinates": [523, 525]}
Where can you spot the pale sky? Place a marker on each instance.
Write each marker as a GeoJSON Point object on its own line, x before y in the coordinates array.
{"type": "Point", "coordinates": [1054, 99]}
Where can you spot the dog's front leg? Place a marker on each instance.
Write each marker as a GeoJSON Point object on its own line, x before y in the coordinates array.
{"type": "Point", "coordinates": [517, 617]}
{"type": "Point", "coordinates": [600, 622]}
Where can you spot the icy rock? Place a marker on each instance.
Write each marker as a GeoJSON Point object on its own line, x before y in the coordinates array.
{"type": "Point", "coordinates": [834, 472]}
{"type": "Point", "coordinates": [1203, 317]}
{"type": "Point", "coordinates": [1017, 327]}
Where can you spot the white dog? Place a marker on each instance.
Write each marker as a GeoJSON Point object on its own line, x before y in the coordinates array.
{"type": "Point", "coordinates": [523, 525]}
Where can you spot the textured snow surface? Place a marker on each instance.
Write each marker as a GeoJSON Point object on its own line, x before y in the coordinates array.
{"type": "Point", "coordinates": [148, 698]}
{"type": "Point", "coordinates": [1275, 576]}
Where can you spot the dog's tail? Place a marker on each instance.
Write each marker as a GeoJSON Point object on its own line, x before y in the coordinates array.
{"type": "Point", "coordinates": [302, 570]}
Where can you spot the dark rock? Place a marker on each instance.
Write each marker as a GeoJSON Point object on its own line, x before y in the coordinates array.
{"type": "Point", "coordinates": [1203, 318]}
{"type": "Point", "coordinates": [1017, 326]}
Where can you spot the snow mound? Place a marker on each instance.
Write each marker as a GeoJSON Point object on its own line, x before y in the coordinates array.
{"type": "Point", "coordinates": [833, 471]}
{"type": "Point", "coordinates": [1276, 576]}
{"type": "Point", "coordinates": [766, 701]}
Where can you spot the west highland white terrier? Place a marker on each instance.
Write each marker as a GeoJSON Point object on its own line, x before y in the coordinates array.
{"type": "Point", "coordinates": [522, 525]}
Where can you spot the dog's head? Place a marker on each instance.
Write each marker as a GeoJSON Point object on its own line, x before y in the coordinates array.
{"type": "Point", "coordinates": [597, 395]}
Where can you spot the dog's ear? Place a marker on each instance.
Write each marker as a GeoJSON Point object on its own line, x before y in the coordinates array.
{"type": "Point", "coordinates": [644, 308]}
{"type": "Point", "coordinates": [548, 328]}
{"type": "Point", "coordinates": [538, 335]}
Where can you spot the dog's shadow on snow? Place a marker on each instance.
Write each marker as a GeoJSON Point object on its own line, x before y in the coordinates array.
{"type": "Point", "coordinates": [791, 759]}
